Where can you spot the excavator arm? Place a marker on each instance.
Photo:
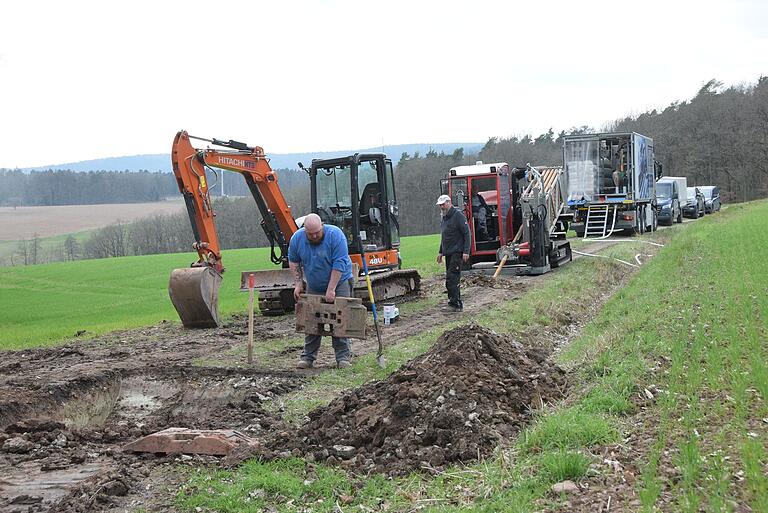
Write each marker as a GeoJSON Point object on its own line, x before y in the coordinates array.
{"type": "Point", "coordinates": [194, 290]}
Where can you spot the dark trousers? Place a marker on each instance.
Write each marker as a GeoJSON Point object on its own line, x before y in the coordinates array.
{"type": "Point", "coordinates": [341, 345]}
{"type": "Point", "coordinates": [453, 264]}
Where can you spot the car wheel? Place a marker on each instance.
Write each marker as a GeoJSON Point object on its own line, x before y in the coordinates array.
{"type": "Point", "coordinates": [680, 216]}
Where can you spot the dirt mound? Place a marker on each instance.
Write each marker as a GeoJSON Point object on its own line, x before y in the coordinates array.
{"type": "Point", "coordinates": [471, 392]}
{"type": "Point", "coordinates": [484, 280]}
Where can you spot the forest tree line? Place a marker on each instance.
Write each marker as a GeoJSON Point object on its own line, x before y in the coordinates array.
{"type": "Point", "coordinates": [719, 137]}
{"type": "Point", "coordinates": [54, 188]}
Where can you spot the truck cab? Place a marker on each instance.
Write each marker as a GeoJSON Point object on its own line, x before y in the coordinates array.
{"type": "Point", "coordinates": [513, 215]}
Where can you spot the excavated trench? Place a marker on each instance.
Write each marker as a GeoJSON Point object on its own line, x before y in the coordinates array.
{"type": "Point", "coordinates": [66, 448]}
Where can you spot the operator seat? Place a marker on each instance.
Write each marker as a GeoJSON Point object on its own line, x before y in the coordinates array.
{"type": "Point", "coordinates": [370, 201]}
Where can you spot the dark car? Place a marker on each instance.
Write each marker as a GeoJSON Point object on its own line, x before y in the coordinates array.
{"type": "Point", "coordinates": [668, 202]}
{"type": "Point", "coordinates": [711, 198]}
{"type": "Point", "coordinates": [696, 204]}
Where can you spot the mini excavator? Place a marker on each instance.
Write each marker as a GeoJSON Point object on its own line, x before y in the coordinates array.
{"type": "Point", "coordinates": [355, 193]}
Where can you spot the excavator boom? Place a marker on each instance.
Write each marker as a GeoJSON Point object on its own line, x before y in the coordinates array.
{"type": "Point", "coordinates": [194, 291]}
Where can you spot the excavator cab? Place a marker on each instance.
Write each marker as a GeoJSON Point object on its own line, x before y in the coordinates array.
{"type": "Point", "coordinates": [357, 194]}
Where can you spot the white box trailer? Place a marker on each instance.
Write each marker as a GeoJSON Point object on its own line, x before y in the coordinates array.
{"type": "Point", "coordinates": [611, 183]}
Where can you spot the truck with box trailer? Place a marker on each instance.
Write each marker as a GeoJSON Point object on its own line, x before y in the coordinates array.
{"type": "Point", "coordinates": [611, 183]}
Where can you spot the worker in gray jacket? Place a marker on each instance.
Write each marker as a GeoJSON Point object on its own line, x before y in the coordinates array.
{"type": "Point", "coordinates": [454, 246]}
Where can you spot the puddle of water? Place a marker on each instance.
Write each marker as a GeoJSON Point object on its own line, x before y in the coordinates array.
{"type": "Point", "coordinates": [27, 479]}
{"type": "Point", "coordinates": [140, 396]}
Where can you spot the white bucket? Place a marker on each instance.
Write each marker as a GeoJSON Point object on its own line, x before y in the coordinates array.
{"type": "Point", "coordinates": [390, 312]}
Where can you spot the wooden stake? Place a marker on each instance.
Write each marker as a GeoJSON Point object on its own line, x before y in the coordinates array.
{"type": "Point", "coordinates": [251, 285]}
{"type": "Point", "coordinates": [501, 264]}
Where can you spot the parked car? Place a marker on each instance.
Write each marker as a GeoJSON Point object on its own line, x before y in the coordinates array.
{"type": "Point", "coordinates": [711, 198]}
{"type": "Point", "coordinates": [669, 196]}
{"type": "Point", "coordinates": [696, 203]}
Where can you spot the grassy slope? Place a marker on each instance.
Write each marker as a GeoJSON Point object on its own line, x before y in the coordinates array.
{"type": "Point", "coordinates": [694, 325]}
{"type": "Point", "coordinates": [45, 304]}
{"type": "Point", "coordinates": [691, 325]}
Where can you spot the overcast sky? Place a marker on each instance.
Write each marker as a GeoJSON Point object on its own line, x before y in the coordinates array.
{"type": "Point", "coordinates": [82, 80]}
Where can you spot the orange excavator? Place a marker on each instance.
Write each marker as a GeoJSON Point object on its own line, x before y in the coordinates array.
{"type": "Point", "coordinates": [355, 193]}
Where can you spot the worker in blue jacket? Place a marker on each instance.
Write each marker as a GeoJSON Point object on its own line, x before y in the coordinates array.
{"type": "Point", "coordinates": [318, 253]}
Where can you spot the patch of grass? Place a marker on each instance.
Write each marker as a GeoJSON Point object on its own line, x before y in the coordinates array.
{"type": "Point", "coordinates": [419, 252]}
{"type": "Point", "coordinates": [698, 334]}
{"type": "Point", "coordinates": [603, 399]}
{"type": "Point", "coordinates": [289, 485]}
{"type": "Point", "coordinates": [559, 466]}
{"type": "Point", "coordinates": [755, 457]}
{"type": "Point", "coordinates": [570, 428]}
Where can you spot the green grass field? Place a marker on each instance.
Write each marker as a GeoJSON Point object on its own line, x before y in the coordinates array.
{"type": "Point", "coordinates": [46, 304]}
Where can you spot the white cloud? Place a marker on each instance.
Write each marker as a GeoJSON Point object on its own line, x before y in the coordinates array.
{"type": "Point", "coordinates": [82, 80]}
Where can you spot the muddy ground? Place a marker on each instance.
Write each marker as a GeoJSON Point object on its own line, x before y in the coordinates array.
{"type": "Point", "coordinates": [66, 412]}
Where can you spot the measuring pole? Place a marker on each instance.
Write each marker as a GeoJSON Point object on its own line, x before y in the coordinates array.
{"type": "Point", "coordinates": [251, 285]}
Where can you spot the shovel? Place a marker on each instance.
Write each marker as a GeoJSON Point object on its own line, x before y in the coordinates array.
{"type": "Point", "coordinates": [380, 355]}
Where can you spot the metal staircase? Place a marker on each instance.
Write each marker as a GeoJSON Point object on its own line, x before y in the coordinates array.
{"type": "Point", "coordinates": [601, 220]}
{"type": "Point", "coordinates": [548, 189]}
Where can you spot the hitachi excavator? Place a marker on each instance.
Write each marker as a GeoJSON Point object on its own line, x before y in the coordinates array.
{"type": "Point", "coordinates": [355, 193]}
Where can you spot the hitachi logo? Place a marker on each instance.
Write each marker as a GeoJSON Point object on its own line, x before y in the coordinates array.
{"type": "Point", "coordinates": [231, 162]}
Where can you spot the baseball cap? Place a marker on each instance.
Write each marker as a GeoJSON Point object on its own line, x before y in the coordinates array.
{"type": "Point", "coordinates": [442, 199]}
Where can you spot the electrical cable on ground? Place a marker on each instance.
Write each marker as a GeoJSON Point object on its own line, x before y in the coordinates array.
{"type": "Point", "coordinates": [630, 240]}
{"type": "Point", "coordinates": [603, 256]}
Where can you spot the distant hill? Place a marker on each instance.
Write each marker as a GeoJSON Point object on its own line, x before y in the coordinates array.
{"type": "Point", "coordinates": [162, 161]}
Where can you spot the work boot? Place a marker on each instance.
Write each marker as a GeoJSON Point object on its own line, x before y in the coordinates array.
{"type": "Point", "coordinates": [452, 308]}
{"type": "Point", "coordinates": [304, 364]}
{"type": "Point", "coordinates": [343, 364]}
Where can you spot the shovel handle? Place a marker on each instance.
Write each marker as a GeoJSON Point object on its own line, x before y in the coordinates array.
{"type": "Point", "coordinates": [373, 305]}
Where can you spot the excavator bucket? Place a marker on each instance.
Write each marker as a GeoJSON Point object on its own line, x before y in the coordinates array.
{"type": "Point", "coordinates": [194, 293]}
{"type": "Point", "coordinates": [268, 280]}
